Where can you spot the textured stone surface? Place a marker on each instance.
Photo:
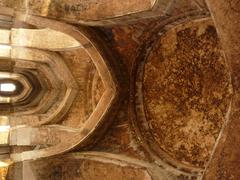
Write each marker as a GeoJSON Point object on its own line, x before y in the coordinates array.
{"type": "Point", "coordinates": [91, 12]}
{"type": "Point", "coordinates": [95, 9]}
{"type": "Point", "coordinates": [94, 88]}
{"type": "Point", "coordinates": [225, 160]}
{"type": "Point", "coordinates": [120, 138]}
{"type": "Point", "coordinates": [180, 88]}
{"type": "Point", "coordinates": [79, 168]}
{"type": "Point", "coordinates": [187, 91]}
{"type": "Point", "coordinates": [90, 90]}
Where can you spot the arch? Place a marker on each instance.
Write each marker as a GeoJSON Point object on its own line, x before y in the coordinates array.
{"type": "Point", "coordinates": [104, 108]}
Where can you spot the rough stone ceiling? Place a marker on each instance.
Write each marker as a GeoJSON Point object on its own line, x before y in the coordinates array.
{"type": "Point", "coordinates": [109, 89]}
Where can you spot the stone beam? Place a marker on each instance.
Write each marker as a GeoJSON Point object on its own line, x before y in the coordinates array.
{"type": "Point", "coordinates": [91, 12]}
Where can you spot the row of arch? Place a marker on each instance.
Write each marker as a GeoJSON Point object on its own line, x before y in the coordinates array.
{"type": "Point", "coordinates": [40, 88]}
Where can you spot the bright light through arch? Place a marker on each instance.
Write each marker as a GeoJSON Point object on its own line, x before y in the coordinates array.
{"type": "Point", "coordinates": [7, 87]}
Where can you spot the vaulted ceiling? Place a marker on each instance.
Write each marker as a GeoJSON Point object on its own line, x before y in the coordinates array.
{"type": "Point", "coordinates": [109, 89]}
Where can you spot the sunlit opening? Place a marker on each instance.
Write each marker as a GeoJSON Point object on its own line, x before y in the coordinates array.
{"type": "Point", "coordinates": [5, 47]}
{"type": "Point", "coordinates": [5, 51]}
{"type": "Point", "coordinates": [7, 87]}
{"type": "Point", "coordinates": [3, 164]}
{"type": "Point", "coordinates": [4, 134]}
{"type": "Point", "coordinates": [4, 128]}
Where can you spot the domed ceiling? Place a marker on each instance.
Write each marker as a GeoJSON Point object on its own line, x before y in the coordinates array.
{"type": "Point", "coordinates": [107, 89]}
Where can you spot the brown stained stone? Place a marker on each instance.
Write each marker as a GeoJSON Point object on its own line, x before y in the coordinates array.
{"type": "Point", "coordinates": [7, 3]}
{"type": "Point", "coordinates": [103, 12]}
{"type": "Point", "coordinates": [126, 41]}
{"type": "Point", "coordinates": [84, 169]}
{"type": "Point", "coordinates": [87, 10]}
{"type": "Point", "coordinates": [186, 89]}
{"type": "Point", "coordinates": [125, 44]}
{"type": "Point", "coordinates": [224, 163]}
{"type": "Point", "coordinates": [95, 9]}
{"type": "Point", "coordinates": [120, 139]}
{"type": "Point", "coordinates": [184, 6]}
